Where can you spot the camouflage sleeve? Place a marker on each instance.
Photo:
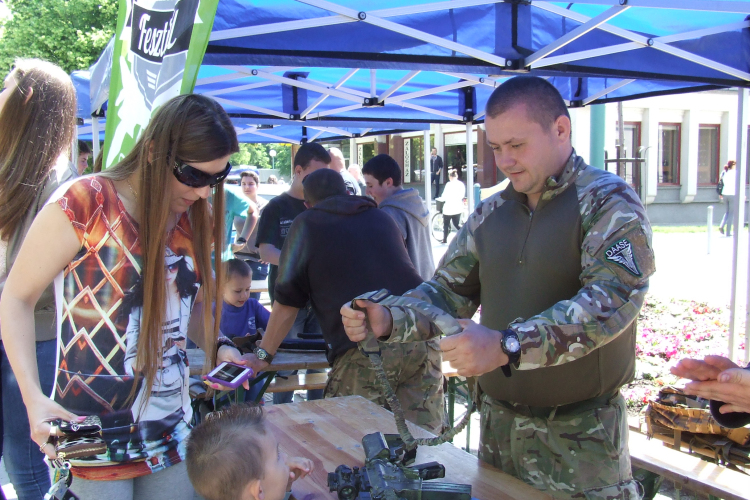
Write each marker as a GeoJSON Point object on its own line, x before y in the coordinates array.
{"type": "Point", "coordinates": [454, 288]}
{"type": "Point", "coordinates": [616, 262]}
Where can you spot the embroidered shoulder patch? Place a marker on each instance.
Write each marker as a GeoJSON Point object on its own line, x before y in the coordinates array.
{"type": "Point", "coordinates": [621, 253]}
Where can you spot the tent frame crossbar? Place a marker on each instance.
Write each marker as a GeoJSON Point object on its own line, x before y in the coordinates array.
{"type": "Point", "coordinates": [647, 42]}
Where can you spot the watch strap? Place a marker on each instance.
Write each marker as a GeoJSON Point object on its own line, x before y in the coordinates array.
{"type": "Point", "coordinates": [268, 357]}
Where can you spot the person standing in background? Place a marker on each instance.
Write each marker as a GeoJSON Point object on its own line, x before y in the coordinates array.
{"type": "Point", "coordinates": [729, 177]}
{"type": "Point", "coordinates": [338, 164]}
{"type": "Point", "coordinates": [436, 166]}
{"type": "Point", "coordinates": [37, 127]}
{"type": "Point", "coordinates": [453, 198]}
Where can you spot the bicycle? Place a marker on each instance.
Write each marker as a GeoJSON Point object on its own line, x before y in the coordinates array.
{"type": "Point", "coordinates": [436, 222]}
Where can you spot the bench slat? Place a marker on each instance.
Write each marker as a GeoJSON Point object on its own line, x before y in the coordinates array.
{"type": "Point", "coordinates": [690, 471]}
{"type": "Point", "coordinates": [303, 381]}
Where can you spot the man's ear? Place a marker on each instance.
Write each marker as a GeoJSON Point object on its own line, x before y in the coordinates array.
{"type": "Point", "coordinates": [298, 170]}
{"type": "Point", "coordinates": [253, 491]}
{"type": "Point", "coordinates": [388, 182]}
{"type": "Point", "coordinates": [562, 128]}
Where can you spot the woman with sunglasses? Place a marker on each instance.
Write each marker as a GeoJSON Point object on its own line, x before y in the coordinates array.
{"type": "Point", "coordinates": [37, 127]}
{"type": "Point", "coordinates": [104, 234]}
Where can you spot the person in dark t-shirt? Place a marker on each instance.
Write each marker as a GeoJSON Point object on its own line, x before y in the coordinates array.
{"type": "Point", "coordinates": [273, 228]}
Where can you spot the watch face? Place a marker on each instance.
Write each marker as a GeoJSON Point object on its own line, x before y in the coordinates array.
{"type": "Point", "coordinates": [512, 344]}
{"type": "Point", "coordinates": [261, 354]}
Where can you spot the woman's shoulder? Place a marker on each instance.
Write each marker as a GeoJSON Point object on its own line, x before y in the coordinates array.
{"type": "Point", "coordinates": [80, 197]}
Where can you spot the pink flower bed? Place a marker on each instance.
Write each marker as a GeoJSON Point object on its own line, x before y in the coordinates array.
{"type": "Point", "coordinates": [668, 332]}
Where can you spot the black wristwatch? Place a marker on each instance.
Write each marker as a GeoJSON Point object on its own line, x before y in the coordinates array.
{"type": "Point", "coordinates": [512, 348]}
{"type": "Point", "coordinates": [241, 240]}
{"type": "Point", "coordinates": [263, 355]}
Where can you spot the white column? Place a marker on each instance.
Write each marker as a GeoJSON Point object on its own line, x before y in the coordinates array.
{"type": "Point", "coordinates": [580, 124]}
{"type": "Point", "coordinates": [650, 140]}
{"type": "Point", "coordinates": [427, 173]}
{"type": "Point", "coordinates": [470, 165]}
{"type": "Point", "coordinates": [353, 152]}
{"type": "Point", "coordinates": [689, 156]}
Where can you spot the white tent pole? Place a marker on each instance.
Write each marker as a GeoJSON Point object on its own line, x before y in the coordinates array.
{"type": "Point", "coordinates": [739, 214]}
{"type": "Point", "coordinates": [95, 135]}
{"type": "Point", "coordinates": [427, 171]}
{"type": "Point", "coordinates": [373, 83]}
{"type": "Point", "coordinates": [739, 221]}
{"type": "Point", "coordinates": [398, 84]}
{"type": "Point", "coordinates": [606, 91]}
{"type": "Point", "coordinates": [573, 35]}
{"type": "Point", "coordinates": [469, 166]}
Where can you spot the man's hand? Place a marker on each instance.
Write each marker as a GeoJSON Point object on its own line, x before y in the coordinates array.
{"type": "Point", "coordinates": [475, 351]}
{"type": "Point", "coordinates": [354, 320]}
{"type": "Point", "coordinates": [708, 369]}
{"type": "Point", "coordinates": [253, 362]}
{"type": "Point", "coordinates": [229, 354]}
{"type": "Point", "coordinates": [298, 468]}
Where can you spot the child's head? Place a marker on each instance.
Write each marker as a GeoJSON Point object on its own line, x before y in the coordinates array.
{"type": "Point", "coordinates": [232, 455]}
{"type": "Point", "coordinates": [238, 277]}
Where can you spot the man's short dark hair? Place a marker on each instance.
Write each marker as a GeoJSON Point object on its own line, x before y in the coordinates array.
{"type": "Point", "coordinates": [311, 151]}
{"type": "Point", "coordinates": [382, 167]}
{"type": "Point", "coordinates": [323, 184]}
{"type": "Point", "coordinates": [236, 267]}
{"type": "Point", "coordinates": [250, 173]}
{"type": "Point", "coordinates": [543, 102]}
{"type": "Point", "coordinates": [224, 453]}
{"type": "Point", "coordinates": [83, 148]}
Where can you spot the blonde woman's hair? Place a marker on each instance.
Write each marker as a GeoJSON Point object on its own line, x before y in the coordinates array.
{"type": "Point", "coordinates": [37, 125]}
{"type": "Point", "coordinates": [192, 128]}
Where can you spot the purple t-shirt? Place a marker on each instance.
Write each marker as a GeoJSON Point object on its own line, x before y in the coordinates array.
{"type": "Point", "coordinates": [242, 321]}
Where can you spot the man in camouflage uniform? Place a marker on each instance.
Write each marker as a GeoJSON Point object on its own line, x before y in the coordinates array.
{"type": "Point", "coordinates": [560, 261]}
{"type": "Point", "coordinates": [341, 247]}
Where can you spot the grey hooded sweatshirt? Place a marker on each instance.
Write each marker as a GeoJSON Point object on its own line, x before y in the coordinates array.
{"type": "Point", "coordinates": [413, 219]}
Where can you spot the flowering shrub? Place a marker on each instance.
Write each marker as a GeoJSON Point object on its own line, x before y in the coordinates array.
{"type": "Point", "coordinates": [669, 331]}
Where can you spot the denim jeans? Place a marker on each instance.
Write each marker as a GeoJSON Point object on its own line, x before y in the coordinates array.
{"type": "Point", "coordinates": [24, 462]}
{"type": "Point", "coordinates": [305, 322]}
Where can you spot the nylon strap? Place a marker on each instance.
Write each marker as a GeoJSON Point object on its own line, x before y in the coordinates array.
{"type": "Point", "coordinates": [446, 324]}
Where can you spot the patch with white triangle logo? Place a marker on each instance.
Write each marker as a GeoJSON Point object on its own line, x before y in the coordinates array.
{"type": "Point", "coordinates": [621, 253]}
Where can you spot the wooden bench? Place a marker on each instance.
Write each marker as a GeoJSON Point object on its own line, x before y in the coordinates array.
{"type": "Point", "coordinates": [686, 470]}
{"type": "Point", "coordinates": [300, 382]}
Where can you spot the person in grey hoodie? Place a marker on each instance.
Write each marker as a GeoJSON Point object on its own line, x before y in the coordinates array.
{"type": "Point", "coordinates": [383, 179]}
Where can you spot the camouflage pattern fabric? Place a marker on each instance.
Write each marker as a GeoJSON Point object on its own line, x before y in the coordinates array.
{"type": "Point", "coordinates": [414, 372]}
{"type": "Point", "coordinates": [616, 262]}
{"type": "Point", "coordinates": [583, 455]}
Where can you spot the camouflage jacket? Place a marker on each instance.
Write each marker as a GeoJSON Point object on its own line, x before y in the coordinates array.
{"type": "Point", "coordinates": [616, 260]}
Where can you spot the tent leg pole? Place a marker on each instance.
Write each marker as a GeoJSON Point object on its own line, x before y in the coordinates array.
{"type": "Point", "coordinates": [739, 216]}
{"type": "Point", "coordinates": [739, 211]}
{"type": "Point", "coordinates": [470, 166]}
{"type": "Point", "coordinates": [427, 172]}
{"type": "Point", "coordinates": [95, 136]}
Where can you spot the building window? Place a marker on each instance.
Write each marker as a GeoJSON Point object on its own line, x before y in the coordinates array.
{"type": "Point", "coordinates": [669, 153]}
{"type": "Point", "coordinates": [708, 154]}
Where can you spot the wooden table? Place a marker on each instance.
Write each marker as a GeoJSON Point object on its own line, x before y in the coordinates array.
{"type": "Point", "coordinates": [330, 432]}
{"type": "Point", "coordinates": [283, 360]}
{"type": "Point", "coordinates": [258, 286]}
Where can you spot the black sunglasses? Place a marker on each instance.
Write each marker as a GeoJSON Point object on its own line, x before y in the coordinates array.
{"type": "Point", "coordinates": [193, 177]}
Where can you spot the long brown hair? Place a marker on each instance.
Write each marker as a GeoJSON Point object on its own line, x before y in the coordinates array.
{"type": "Point", "coordinates": [34, 131]}
{"type": "Point", "coordinates": [193, 128]}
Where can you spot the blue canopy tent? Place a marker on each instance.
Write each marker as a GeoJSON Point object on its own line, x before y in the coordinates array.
{"type": "Point", "coordinates": [318, 62]}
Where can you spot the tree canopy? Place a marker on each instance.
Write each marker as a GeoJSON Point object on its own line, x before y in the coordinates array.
{"type": "Point", "coordinates": [257, 155]}
{"type": "Point", "coordinates": [70, 34]}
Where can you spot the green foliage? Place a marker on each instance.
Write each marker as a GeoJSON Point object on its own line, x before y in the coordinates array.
{"type": "Point", "coordinates": [71, 34]}
{"type": "Point", "coordinates": [257, 155]}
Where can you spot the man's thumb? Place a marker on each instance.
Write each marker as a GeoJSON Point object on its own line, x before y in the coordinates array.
{"type": "Point", "coordinates": [733, 375]}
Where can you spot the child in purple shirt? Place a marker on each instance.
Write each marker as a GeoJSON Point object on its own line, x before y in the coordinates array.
{"type": "Point", "coordinates": [240, 315]}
